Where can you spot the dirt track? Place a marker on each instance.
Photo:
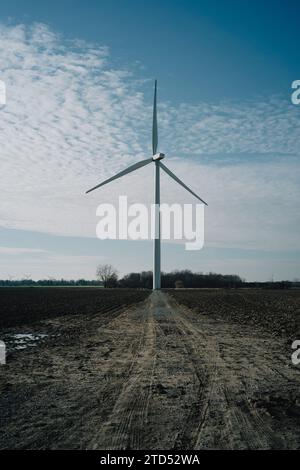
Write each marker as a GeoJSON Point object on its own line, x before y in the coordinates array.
{"type": "Point", "coordinates": [155, 376]}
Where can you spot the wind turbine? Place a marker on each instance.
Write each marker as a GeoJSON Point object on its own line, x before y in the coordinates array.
{"type": "Point", "coordinates": [157, 160]}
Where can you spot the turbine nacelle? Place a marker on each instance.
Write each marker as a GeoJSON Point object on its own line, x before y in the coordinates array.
{"type": "Point", "coordinates": [158, 156]}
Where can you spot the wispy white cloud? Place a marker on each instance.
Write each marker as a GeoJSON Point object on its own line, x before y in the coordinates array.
{"type": "Point", "coordinates": [4, 250]}
{"type": "Point", "coordinates": [72, 119]}
{"type": "Point", "coordinates": [258, 126]}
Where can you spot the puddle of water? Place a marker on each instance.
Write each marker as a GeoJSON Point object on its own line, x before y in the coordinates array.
{"type": "Point", "coordinates": [23, 340]}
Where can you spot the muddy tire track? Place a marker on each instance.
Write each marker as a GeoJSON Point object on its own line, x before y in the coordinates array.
{"type": "Point", "coordinates": [125, 424]}
{"type": "Point", "coordinates": [239, 367]}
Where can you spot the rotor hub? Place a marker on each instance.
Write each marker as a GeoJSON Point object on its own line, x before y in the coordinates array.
{"type": "Point", "coordinates": [158, 156]}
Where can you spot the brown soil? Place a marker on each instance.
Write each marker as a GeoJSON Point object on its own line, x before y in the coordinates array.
{"type": "Point", "coordinates": [153, 376]}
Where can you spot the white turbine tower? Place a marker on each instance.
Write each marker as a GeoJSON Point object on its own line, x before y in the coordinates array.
{"type": "Point", "coordinates": [156, 159]}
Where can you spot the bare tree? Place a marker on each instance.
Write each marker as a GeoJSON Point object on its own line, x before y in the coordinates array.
{"type": "Point", "coordinates": [107, 274]}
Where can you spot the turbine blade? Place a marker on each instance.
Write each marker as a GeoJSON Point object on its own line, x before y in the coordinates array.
{"type": "Point", "coordinates": [122, 173]}
{"type": "Point", "coordinates": [169, 172]}
{"type": "Point", "coordinates": [154, 124]}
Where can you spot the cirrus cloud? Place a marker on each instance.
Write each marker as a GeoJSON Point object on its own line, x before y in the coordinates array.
{"type": "Point", "coordinates": [72, 119]}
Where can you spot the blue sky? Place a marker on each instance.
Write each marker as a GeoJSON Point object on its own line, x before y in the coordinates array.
{"type": "Point", "coordinates": [202, 49]}
{"type": "Point", "coordinates": [79, 78]}
{"type": "Point", "coordinates": [220, 49]}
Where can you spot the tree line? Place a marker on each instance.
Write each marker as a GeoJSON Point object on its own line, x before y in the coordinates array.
{"type": "Point", "coordinates": [107, 276]}
{"type": "Point", "coordinates": [48, 282]}
{"type": "Point", "coordinates": [181, 279]}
